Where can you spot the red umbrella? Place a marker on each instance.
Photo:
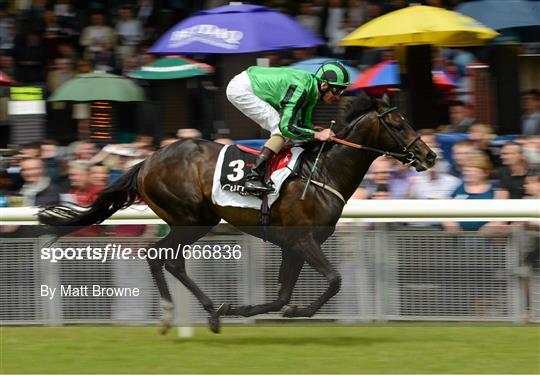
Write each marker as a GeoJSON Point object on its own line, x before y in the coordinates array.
{"type": "Point", "coordinates": [380, 77]}
{"type": "Point", "coordinates": [5, 80]}
{"type": "Point", "coordinates": [442, 81]}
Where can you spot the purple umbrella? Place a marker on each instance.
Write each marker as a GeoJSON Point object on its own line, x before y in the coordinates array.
{"type": "Point", "coordinates": [234, 29]}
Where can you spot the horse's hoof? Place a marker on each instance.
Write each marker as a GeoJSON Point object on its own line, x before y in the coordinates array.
{"type": "Point", "coordinates": [223, 309]}
{"type": "Point", "coordinates": [213, 323]}
{"type": "Point", "coordinates": [290, 311]}
{"type": "Point", "coordinates": [164, 327]}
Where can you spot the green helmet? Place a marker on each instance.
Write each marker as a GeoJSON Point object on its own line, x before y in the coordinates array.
{"type": "Point", "coordinates": [334, 73]}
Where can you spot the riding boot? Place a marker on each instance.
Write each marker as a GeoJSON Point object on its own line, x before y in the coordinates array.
{"type": "Point", "coordinates": [255, 179]}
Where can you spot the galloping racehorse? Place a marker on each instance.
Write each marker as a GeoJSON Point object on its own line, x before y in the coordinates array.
{"type": "Point", "coordinates": [176, 183]}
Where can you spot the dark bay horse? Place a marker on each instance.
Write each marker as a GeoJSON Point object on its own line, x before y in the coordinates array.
{"type": "Point", "coordinates": [176, 183]}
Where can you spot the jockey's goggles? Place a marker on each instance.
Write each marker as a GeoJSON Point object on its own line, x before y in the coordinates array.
{"type": "Point", "coordinates": [337, 90]}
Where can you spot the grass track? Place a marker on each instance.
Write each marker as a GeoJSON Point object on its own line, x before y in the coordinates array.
{"type": "Point", "coordinates": [396, 348]}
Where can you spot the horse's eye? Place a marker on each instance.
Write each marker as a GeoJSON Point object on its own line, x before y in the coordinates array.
{"type": "Point", "coordinates": [396, 126]}
{"type": "Point", "coordinates": [400, 129]}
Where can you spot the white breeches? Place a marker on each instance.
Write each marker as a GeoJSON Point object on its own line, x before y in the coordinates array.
{"type": "Point", "coordinates": [240, 94]}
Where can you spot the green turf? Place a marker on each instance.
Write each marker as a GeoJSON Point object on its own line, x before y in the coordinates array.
{"type": "Point", "coordinates": [409, 349]}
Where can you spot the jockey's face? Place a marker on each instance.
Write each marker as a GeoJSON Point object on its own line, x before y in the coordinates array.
{"type": "Point", "coordinates": [330, 94]}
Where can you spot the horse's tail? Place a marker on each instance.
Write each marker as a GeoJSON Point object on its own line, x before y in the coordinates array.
{"type": "Point", "coordinates": [121, 194]}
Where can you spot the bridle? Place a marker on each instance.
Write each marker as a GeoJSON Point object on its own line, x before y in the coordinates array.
{"type": "Point", "coordinates": [406, 156]}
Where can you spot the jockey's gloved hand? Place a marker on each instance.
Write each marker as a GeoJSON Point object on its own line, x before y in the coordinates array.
{"type": "Point", "coordinates": [324, 135]}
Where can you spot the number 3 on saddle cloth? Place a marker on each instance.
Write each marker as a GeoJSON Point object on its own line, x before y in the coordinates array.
{"type": "Point", "coordinates": [233, 165]}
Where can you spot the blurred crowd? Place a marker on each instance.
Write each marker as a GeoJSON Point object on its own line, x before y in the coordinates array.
{"type": "Point", "coordinates": [474, 169]}
{"type": "Point", "coordinates": [48, 42]}
{"type": "Point", "coordinates": [42, 173]}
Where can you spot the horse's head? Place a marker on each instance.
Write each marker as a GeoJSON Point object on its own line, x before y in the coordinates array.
{"type": "Point", "coordinates": [393, 134]}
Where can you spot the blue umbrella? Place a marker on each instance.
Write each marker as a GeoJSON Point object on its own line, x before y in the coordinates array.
{"type": "Point", "coordinates": [234, 29]}
{"type": "Point", "coordinates": [311, 65]}
{"type": "Point", "coordinates": [503, 14]}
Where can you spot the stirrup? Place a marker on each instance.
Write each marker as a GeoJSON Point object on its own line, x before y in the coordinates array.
{"type": "Point", "coordinates": [257, 186]}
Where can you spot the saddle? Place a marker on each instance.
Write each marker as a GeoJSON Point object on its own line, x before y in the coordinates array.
{"type": "Point", "coordinates": [234, 163]}
{"type": "Point", "coordinates": [238, 161]}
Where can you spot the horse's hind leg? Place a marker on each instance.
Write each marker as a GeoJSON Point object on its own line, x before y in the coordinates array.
{"type": "Point", "coordinates": [156, 268]}
{"type": "Point", "coordinates": [177, 268]}
{"type": "Point", "coordinates": [315, 257]}
{"type": "Point", "coordinates": [291, 266]}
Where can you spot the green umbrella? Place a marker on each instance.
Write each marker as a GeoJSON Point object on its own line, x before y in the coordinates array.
{"type": "Point", "coordinates": [98, 86]}
{"type": "Point", "coordinates": [169, 68]}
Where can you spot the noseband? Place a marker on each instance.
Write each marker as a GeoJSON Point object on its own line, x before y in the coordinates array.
{"type": "Point", "coordinates": [406, 155]}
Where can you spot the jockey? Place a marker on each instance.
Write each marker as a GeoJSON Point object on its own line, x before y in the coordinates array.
{"type": "Point", "coordinates": [281, 100]}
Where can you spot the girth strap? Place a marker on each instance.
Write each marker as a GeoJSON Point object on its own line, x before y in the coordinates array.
{"type": "Point", "coordinates": [328, 188]}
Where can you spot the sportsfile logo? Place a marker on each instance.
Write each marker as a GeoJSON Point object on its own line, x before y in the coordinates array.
{"type": "Point", "coordinates": [207, 34]}
{"type": "Point", "coordinates": [119, 252]}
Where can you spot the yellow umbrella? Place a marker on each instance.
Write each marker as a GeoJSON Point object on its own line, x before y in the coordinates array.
{"type": "Point", "coordinates": [420, 24]}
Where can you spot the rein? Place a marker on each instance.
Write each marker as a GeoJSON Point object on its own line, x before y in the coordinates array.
{"type": "Point", "coordinates": [406, 154]}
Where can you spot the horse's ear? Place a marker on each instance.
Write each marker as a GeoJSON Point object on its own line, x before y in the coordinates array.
{"type": "Point", "coordinates": [386, 99]}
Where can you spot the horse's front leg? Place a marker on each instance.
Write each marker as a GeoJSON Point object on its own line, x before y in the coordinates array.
{"type": "Point", "coordinates": [178, 269]}
{"type": "Point", "coordinates": [291, 266]}
{"type": "Point", "coordinates": [313, 254]}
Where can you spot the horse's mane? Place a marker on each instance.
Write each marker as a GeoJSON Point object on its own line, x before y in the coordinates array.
{"type": "Point", "coordinates": [357, 106]}
{"type": "Point", "coordinates": [354, 108]}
